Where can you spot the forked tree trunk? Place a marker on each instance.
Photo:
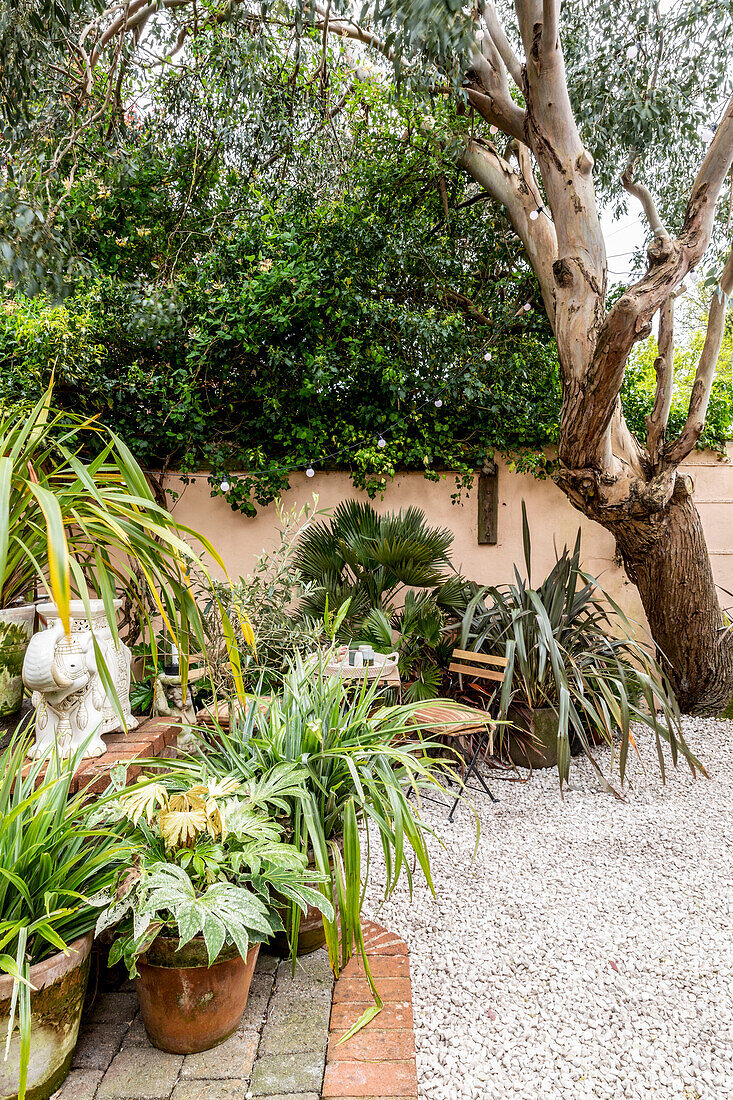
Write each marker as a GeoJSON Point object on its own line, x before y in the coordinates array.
{"type": "Point", "coordinates": [666, 556]}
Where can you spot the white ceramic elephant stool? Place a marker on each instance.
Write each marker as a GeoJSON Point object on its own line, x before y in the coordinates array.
{"type": "Point", "coordinates": [68, 694]}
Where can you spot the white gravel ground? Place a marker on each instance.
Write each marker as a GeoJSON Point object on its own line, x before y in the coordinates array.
{"type": "Point", "coordinates": [588, 949]}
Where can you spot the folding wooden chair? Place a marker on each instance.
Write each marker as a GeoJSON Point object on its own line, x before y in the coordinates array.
{"type": "Point", "coordinates": [455, 720]}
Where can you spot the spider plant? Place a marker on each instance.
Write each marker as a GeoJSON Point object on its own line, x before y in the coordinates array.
{"type": "Point", "coordinates": [570, 647]}
{"type": "Point", "coordinates": [77, 515]}
{"type": "Point", "coordinates": [358, 768]}
{"type": "Point", "coordinates": [52, 860]}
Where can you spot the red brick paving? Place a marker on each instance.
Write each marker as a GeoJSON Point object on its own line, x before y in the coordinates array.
{"type": "Point", "coordinates": [378, 1063]}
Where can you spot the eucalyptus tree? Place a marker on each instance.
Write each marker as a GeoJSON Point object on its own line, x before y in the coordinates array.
{"type": "Point", "coordinates": [548, 109]}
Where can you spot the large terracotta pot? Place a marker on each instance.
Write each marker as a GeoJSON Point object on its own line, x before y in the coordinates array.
{"type": "Point", "coordinates": [56, 1005]}
{"type": "Point", "coordinates": [311, 934]}
{"type": "Point", "coordinates": [16, 628]}
{"type": "Point", "coordinates": [188, 1006]}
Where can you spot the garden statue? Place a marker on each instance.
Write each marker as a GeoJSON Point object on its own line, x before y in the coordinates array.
{"type": "Point", "coordinates": [169, 701]}
{"type": "Point", "coordinates": [68, 694]}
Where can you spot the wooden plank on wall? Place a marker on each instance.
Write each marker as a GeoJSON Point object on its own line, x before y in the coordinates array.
{"type": "Point", "coordinates": [488, 508]}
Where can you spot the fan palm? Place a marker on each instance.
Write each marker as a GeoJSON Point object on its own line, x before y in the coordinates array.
{"type": "Point", "coordinates": [377, 562]}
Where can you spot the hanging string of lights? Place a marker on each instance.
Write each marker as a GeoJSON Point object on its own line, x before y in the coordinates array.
{"type": "Point", "coordinates": [342, 454]}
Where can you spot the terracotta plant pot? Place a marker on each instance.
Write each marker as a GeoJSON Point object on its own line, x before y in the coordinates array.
{"type": "Point", "coordinates": [56, 1005]}
{"type": "Point", "coordinates": [16, 629]}
{"type": "Point", "coordinates": [311, 934]}
{"type": "Point", "coordinates": [188, 1006]}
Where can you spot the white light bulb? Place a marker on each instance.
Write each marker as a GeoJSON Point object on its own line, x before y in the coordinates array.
{"type": "Point", "coordinates": [534, 215]}
{"type": "Point", "coordinates": [487, 357]}
{"type": "Point", "coordinates": [527, 307]}
{"type": "Point", "coordinates": [692, 276]}
{"type": "Point", "coordinates": [310, 472]}
{"type": "Point", "coordinates": [493, 129]}
{"type": "Point", "coordinates": [381, 442]}
{"type": "Point", "coordinates": [438, 403]}
{"type": "Point", "coordinates": [479, 36]}
{"type": "Point", "coordinates": [707, 133]}
{"type": "Point", "coordinates": [224, 486]}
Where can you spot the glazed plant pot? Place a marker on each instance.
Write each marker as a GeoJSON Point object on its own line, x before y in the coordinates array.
{"type": "Point", "coordinates": [188, 1006]}
{"type": "Point", "coordinates": [56, 1003]}
{"type": "Point", "coordinates": [16, 629]}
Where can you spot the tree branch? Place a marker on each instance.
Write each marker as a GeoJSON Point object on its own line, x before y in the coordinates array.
{"type": "Point", "coordinates": [500, 40]}
{"type": "Point", "coordinates": [642, 193]}
{"type": "Point", "coordinates": [705, 374]}
{"type": "Point", "coordinates": [656, 422]}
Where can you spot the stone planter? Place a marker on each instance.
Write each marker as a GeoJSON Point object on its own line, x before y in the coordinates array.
{"type": "Point", "coordinates": [70, 699]}
{"type": "Point", "coordinates": [56, 1005]}
{"type": "Point", "coordinates": [536, 746]}
{"type": "Point", "coordinates": [188, 1006]}
{"type": "Point", "coordinates": [16, 630]}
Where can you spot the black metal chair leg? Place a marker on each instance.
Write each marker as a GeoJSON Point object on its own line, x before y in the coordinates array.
{"type": "Point", "coordinates": [472, 769]}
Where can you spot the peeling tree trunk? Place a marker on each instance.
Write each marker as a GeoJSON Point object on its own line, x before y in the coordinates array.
{"type": "Point", "coordinates": [666, 556]}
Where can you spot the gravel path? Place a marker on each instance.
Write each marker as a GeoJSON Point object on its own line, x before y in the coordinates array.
{"type": "Point", "coordinates": [588, 949]}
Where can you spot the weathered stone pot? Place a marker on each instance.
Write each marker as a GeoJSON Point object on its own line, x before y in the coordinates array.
{"type": "Point", "coordinates": [536, 745]}
{"type": "Point", "coordinates": [188, 1006]}
{"type": "Point", "coordinates": [56, 1005]}
{"type": "Point", "coordinates": [16, 629]}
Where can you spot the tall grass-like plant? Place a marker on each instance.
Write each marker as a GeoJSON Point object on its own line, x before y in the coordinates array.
{"type": "Point", "coordinates": [570, 647]}
{"type": "Point", "coordinates": [52, 861]}
{"type": "Point", "coordinates": [357, 768]}
{"type": "Point", "coordinates": [77, 515]}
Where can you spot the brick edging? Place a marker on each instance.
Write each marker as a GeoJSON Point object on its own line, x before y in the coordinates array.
{"type": "Point", "coordinates": [379, 1061]}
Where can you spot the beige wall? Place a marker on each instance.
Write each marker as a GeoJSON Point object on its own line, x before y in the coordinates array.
{"type": "Point", "coordinates": [553, 522]}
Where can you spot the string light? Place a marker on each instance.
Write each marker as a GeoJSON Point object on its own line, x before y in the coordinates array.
{"type": "Point", "coordinates": [534, 215]}
{"type": "Point", "coordinates": [381, 442]}
{"type": "Point", "coordinates": [487, 357]}
{"type": "Point", "coordinates": [692, 276]}
{"type": "Point", "coordinates": [438, 403]}
{"type": "Point", "coordinates": [493, 129]}
{"type": "Point", "coordinates": [310, 472]}
{"type": "Point", "coordinates": [224, 486]}
{"type": "Point", "coordinates": [527, 307]}
{"type": "Point", "coordinates": [707, 133]}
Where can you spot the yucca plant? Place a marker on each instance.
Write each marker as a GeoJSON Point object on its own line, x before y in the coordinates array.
{"type": "Point", "coordinates": [396, 572]}
{"type": "Point", "coordinates": [78, 516]}
{"type": "Point", "coordinates": [570, 647]}
{"type": "Point", "coordinates": [53, 860]}
{"type": "Point", "coordinates": [358, 768]}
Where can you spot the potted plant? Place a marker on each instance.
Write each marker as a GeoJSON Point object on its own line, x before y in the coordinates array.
{"type": "Point", "coordinates": [52, 860]}
{"type": "Point", "coordinates": [576, 675]}
{"type": "Point", "coordinates": [358, 767]}
{"type": "Point", "coordinates": [78, 516]}
{"type": "Point", "coordinates": [200, 895]}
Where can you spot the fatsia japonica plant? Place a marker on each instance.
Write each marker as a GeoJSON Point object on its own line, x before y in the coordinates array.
{"type": "Point", "coordinates": [208, 858]}
{"type": "Point", "coordinates": [551, 111]}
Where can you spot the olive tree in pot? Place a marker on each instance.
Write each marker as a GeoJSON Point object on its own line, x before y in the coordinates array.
{"type": "Point", "coordinates": [53, 858]}
{"type": "Point", "coordinates": [200, 896]}
{"type": "Point", "coordinates": [577, 675]}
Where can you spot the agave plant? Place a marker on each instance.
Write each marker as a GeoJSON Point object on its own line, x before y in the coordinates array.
{"type": "Point", "coordinates": [377, 562]}
{"type": "Point", "coordinates": [53, 859]}
{"type": "Point", "coordinates": [358, 767]}
{"type": "Point", "coordinates": [77, 515]}
{"type": "Point", "coordinates": [570, 647]}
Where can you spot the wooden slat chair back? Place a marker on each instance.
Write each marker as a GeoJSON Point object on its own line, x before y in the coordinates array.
{"type": "Point", "coordinates": [445, 718]}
